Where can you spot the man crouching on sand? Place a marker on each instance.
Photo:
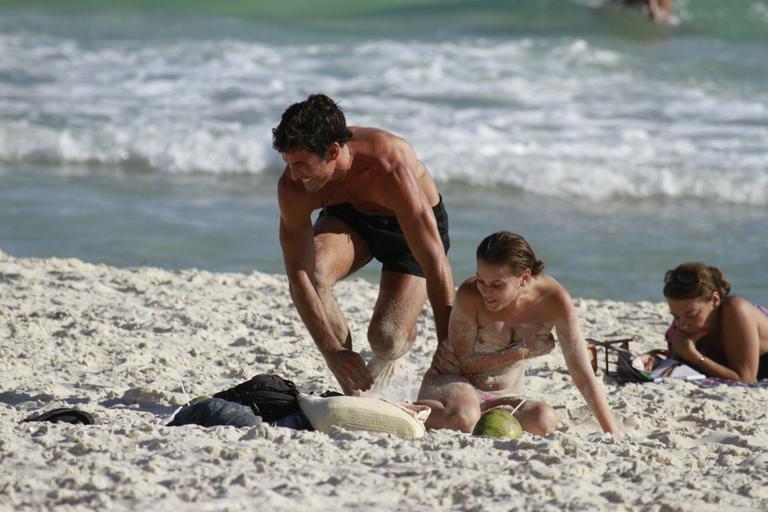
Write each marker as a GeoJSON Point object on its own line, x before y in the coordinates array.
{"type": "Point", "coordinates": [377, 200]}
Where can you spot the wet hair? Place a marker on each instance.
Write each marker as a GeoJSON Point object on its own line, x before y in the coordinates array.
{"type": "Point", "coordinates": [313, 124]}
{"type": "Point", "coordinates": [695, 281]}
{"type": "Point", "coordinates": [510, 250]}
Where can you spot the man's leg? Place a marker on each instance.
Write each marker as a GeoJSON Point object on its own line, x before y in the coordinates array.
{"type": "Point", "coordinates": [392, 330]}
{"type": "Point", "coordinates": [339, 252]}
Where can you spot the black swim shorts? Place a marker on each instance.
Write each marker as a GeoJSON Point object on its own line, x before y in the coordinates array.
{"type": "Point", "coordinates": [384, 237]}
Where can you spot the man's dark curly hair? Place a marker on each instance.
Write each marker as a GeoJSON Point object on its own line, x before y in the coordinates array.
{"type": "Point", "coordinates": [313, 124]}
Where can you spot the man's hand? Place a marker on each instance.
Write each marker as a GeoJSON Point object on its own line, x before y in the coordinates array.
{"type": "Point", "coordinates": [349, 369]}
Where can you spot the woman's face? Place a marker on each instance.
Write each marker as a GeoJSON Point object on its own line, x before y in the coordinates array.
{"type": "Point", "coordinates": [693, 316]}
{"type": "Point", "coordinates": [497, 285]}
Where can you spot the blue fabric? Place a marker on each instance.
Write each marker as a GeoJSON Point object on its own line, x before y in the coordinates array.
{"type": "Point", "coordinates": [213, 412]}
{"type": "Point", "coordinates": [296, 421]}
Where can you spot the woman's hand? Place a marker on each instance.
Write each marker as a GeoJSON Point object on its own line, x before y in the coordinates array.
{"type": "Point", "coordinates": [683, 346]}
{"type": "Point", "coordinates": [536, 345]}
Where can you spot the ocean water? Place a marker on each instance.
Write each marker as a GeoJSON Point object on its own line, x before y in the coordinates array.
{"type": "Point", "coordinates": [138, 132]}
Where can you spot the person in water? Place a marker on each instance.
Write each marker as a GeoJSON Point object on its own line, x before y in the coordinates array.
{"type": "Point", "coordinates": [376, 200]}
{"type": "Point", "coordinates": [659, 11]}
{"type": "Point", "coordinates": [502, 316]}
{"type": "Point", "coordinates": [721, 335]}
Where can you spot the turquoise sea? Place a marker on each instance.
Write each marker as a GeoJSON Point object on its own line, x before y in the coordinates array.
{"type": "Point", "coordinates": [138, 132]}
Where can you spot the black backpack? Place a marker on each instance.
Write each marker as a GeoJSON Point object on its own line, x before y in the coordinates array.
{"type": "Point", "coordinates": [269, 396]}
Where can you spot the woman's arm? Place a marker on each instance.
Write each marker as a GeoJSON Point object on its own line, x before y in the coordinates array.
{"type": "Point", "coordinates": [684, 348]}
{"type": "Point", "coordinates": [577, 360]}
{"type": "Point", "coordinates": [528, 348]}
{"type": "Point", "coordinates": [456, 354]}
{"type": "Point", "coordinates": [740, 338]}
{"type": "Point", "coordinates": [462, 332]}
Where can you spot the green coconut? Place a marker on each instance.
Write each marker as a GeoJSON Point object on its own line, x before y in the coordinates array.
{"type": "Point", "coordinates": [498, 423]}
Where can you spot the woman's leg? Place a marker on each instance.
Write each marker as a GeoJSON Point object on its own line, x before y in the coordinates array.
{"type": "Point", "coordinates": [534, 416]}
{"type": "Point", "coordinates": [453, 401]}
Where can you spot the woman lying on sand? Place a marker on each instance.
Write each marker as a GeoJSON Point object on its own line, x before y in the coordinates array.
{"type": "Point", "coordinates": [722, 336]}
{"type": "Point", "coordinates": [502, 316]}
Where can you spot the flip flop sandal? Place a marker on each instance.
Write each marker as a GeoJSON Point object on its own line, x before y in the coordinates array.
{"type": "Point", "coordinates": [64, 415]}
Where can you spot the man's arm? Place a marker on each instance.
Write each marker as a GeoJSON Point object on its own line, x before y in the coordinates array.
{"type": "Point", "coordinates": [297, 246]}
{"type": "Point", "coordinates": [415, 216]}
{"type": "Point", "coordinates": [297, 243]}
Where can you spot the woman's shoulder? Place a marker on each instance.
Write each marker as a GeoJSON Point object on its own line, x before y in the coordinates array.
{"type": "Point", "coordinates": [468, 287]}
{"type": "Point", "coordinates": [467, 293]}
{"type": "Point", "coordinates": [735, 306]}
{"type": "Point", "coordinates": [551, 292]}
{"type": "Point", "coordinates": [551, 299]}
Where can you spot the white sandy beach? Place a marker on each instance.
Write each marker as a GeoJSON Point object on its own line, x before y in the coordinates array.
{"type": "Point", "coordinates": [130, 345]}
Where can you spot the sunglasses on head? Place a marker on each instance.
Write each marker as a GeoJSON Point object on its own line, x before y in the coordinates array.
{"type": "Point", "coordinates": [681, 276]}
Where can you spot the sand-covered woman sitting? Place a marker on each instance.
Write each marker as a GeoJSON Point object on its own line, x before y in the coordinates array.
{"type": "Point", "coordinates": [502, 316]}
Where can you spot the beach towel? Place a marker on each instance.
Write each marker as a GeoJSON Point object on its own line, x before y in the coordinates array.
{"type": "Point", "coordinates": [711, 382]}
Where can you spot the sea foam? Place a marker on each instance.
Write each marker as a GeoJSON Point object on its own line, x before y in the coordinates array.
{"type": "Point", "coordinates": [566, 117]}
